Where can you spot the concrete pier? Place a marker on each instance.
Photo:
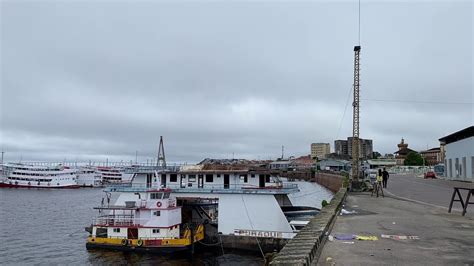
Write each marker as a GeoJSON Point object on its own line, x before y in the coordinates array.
{"type": "Point", "coordinates": [304, 248]}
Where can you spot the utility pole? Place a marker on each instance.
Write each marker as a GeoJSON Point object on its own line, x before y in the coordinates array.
{"type": "Point", "coordinates": [136, 157]}
{"type": "Point", "coordinates": [161, 161]}
{"type": "Point", "coordinates": [282, 152]}
{"type": "Point", "coordinates": [355, 118]}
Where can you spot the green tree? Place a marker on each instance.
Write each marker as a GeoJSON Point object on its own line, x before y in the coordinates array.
{"type": "Point", "coordinates": [376, 155]}
{"type": "Point", "coordinates": [413, 158]}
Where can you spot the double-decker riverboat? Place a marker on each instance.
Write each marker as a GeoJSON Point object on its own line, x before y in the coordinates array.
{"type": "Point", "coordinates": [34, 176]}
{"type": "Point", "coordinates": [89, 177]}
{"type": "Point", "coordinates": [151, 222]}
{"type": "Point", "coordinates": [240, 206]}
{"type": "Point", "coordinates": [116, 174]}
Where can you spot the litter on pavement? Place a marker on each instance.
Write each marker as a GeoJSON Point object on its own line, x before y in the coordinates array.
{"type": "Point", "coordinates": [397, 237]}
{"type": "Point", "coordinates": [345, 212]}
{"type": "Point", "coordinates": [367, 238]}
{"type": "Point", "coordinates": [344, 237]}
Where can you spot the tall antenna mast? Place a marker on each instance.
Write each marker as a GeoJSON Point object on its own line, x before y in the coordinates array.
{"type": "Point", "coordinates": [282, 151]}
{"type": "Point", "coordinates": [355, 115]}
{"type": "Point", "coordinates": [161, 161]}
{"type": "Point", "coordinates": [355, 118]}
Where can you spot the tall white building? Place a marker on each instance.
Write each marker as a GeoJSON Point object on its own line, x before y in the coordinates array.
{"type": "Point", "coordinates": [459, 155]}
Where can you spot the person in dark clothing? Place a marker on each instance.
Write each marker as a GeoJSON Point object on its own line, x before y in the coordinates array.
{"type": "Point", "coordinates": [385, 176]}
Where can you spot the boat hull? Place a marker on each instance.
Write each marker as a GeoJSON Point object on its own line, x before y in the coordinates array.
{"type": "Point", "coordinates": [7, 185]}
{"type": "Point", "coordinates": [156, 250]}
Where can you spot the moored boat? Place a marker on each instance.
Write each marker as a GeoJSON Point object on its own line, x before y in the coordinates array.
{"type": "Point", "coordinates": [150, 223]}
{"type": "Point", "coordinates": [32, 176]}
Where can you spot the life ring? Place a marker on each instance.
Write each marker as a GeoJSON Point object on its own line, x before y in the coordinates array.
{"type": "Point", "coordinates": [140, 242]}
{"type": "Point", "coordinates": [124, 242]}
{"type": "Point", "coordinates": [158, 204]}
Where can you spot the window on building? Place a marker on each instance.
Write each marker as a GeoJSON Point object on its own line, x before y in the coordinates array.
{"type": "Point", "coordinates": [192, 178]}
{"type": "Point", "coordinates": [156, 230]}
{"type": "Point", "coordinates": [209, 178]}
{"type": "Point", "coordinates": [456, 167]}
{"type": "Point", "coordinates": [173, 178]}
{"type": "Point", "coordinates": [116, 230]}
{"type": "Point", "coordinates": [252, 175]}
{"type": "Point", "coordinates": [464, 167]}
{"type": "Point", "coordinates": [451, 168]}
{"type": "Point", "coordinates": [157, 213]}
{"type": "Point", "coordinates": [472, 166]}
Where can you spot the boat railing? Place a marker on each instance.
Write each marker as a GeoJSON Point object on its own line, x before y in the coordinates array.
{"type": "Point", "coordinates": [186, 187]}
{"type": "Point", "coordinates": [206, 186]}
{"type": "Point", "coordinates": [118, 220]}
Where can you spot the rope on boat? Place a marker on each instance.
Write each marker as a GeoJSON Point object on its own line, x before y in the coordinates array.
{"type": "Point", "coordinates": [251, 225]}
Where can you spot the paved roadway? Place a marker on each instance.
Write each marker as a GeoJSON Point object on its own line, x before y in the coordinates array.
{"type": "Point", "coordinates": [436, 192]}
{"type": "Point", "coordinates": [442, 238]}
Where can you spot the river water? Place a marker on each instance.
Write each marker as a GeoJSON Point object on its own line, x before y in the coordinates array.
{"type": "Point", "coordinates": [46, 226]}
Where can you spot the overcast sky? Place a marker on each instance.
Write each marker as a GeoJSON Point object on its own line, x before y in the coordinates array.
{"type": "Point", "coordinates": [92, 80]}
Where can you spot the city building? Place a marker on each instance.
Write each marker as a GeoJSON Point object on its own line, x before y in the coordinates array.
{"type": "Point", "coordinates": [302, 162]}
{"type": "Point", "coordinates": [344, 147]}
{"type": "Point", "coordinates": [459, 154]}
{"type": "Point", "coordinates": [402, 152]}
{"type": "Point", "coordinates": [340, 147]}
{"type": "Point", "coordinates": [334, 165]}
{"type": "Point", "coordinates": [432, 156]}
{"type": "Point", "coordinates": [320, 150]}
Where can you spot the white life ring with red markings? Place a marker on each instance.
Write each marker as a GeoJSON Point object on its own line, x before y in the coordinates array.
{"type": "Point", "coordinates": [158, 204]}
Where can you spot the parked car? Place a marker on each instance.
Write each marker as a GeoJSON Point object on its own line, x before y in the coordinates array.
{"type": "Point", "coordinates": [430, 174]}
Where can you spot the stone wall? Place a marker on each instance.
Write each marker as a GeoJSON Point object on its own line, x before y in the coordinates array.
{"type": "Point", "coordinates": [306, 246]}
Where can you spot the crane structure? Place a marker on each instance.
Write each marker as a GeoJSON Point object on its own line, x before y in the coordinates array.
{"type": "Point", "coordinates": [161, 161]}
{"type": "Point", "coordinates": [355, 118]}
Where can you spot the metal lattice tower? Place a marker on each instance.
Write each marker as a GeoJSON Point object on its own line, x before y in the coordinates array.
{"type": "Point", "coordinates": [161, 161]}
{"type": "Point", "coordinates": [355, 118]}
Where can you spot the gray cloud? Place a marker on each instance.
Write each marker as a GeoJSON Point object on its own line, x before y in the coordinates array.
{"type": "Point", "coordinates": [95, 80]}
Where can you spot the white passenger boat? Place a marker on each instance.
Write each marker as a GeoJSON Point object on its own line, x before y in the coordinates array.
{"type": "Point", "coordinates": [32, 176]}
{"type": "Point", "coordinates": [116, 174]}
{"type": "Point", "coordinates": [89, 177]}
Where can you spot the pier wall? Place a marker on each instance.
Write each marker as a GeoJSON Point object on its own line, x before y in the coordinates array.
{"type": "Point", "coordinates": [305, 247]}
{"type": "Point", "coordinates": [330, 181]}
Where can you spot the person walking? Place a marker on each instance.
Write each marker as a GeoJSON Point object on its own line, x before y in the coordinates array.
{"type": "Point", "coordinates": [385, 176]}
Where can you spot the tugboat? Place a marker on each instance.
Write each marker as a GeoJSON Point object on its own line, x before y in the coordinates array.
{"type": "Point", "coordinates": [152, 223]}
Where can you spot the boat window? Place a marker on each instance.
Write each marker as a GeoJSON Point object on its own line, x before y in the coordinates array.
{"type": "Point", "coordinates": [156, 195]}
{"type": "Point", "coordinates": [116, 230]}
{"type": "Point", "coordinates": [166, 195]}
{"type": "Point", "coordinates": [218, 175]}
{"type": "Point", "coordinates": [173, 178]}
{"type": "Point", "coordinates": [156, 231]}
{"type": "Point", "coordinates": [209, 178]}
{"type": "Point", "coordinates": [192, 178]}
{"type": "Point", "coordinates": [157, 213]}
{"type": "Point", "coordinates": [252, 175]}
